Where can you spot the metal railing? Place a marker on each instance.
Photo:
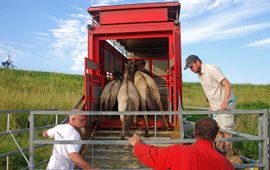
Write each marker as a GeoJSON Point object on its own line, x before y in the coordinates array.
{"type": "Point", "coordinates": [16, 133]}
{"type": "Point", "coordinates": [261, 138]}
{"type": "Point", "coordinates": [235, 133]}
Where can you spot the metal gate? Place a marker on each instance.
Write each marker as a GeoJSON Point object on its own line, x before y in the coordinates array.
{"type": "Point", "coordinates": [262, 138]}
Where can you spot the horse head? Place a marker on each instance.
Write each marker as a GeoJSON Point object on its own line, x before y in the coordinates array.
{"type": "Point", "coordinates": [118, 75]}
{"type": "Point", "coordinates": [129, 70]}
{"type": "Point", "coordinates": [140, 65]}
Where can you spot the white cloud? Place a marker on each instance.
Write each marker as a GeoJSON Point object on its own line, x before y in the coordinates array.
{"type": "Point", "coordinates": [41, 37]}
{"type": "Point", "coordinates": [264, 43]}
{"type": "Point", "coordinates": [215, 32]}
{"type": "Point", "coordinates": [70, 41]}
{"type": "Point", "coordinates": [81, 16]}
{"type": "Point", "coordinates": [224, 24]}
{"type": "Point", "coordinates": [192, 8]}
{"type": "Point", "coordinates": [12, 49]}
{"type": "Point", "coordinates": [103, 2]}
{"type": "Point", "coordinates": [79, 9]}
{"type": "Point", "coordinates": [42, 34]}
{"type": "Point", "coordinates": [242, 30]}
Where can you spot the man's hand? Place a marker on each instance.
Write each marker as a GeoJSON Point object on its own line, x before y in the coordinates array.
{"type": "Point", "coordinates": [223, 106]}
{"type": "Point", "coordinates": [228, 88]}
{"type": "Point", "coordinates": [45, 133]}
{"type": "Point", "coordinates": [79, 161]}
{"type": "Point", "coordinates": [134, 139]}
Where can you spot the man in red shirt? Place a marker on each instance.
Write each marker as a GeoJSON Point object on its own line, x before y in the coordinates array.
{"type": "Point", "coordinates": [199, 156]}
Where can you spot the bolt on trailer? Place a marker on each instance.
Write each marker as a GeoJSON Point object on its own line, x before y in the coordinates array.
{"type": "Point", "coordinates": [120, 33]}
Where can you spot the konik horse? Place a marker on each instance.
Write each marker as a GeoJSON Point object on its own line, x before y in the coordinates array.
{"type": "Point", "coordinates": [128, 98]}
{"type": "Point", "coordinates": [108, 97]}
{"type": "Point", "coordinates": [149, 94]}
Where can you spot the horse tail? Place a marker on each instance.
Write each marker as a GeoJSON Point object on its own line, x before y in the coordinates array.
{"type": "Point", "coordinates": [107, 105]}
{"type": "Point", "coordinates": [150, 100]}
{"type": "Point", "coordinates": [114, 92]}
{"type": "Point", "coordinates": [101, 105]}
{"type": "Point", "coordinates": [130, 107]}
{"type": "Point", "coordinates": [110, 99]}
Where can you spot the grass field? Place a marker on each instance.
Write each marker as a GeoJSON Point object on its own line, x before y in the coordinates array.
{"type": "Point", "coordinates": [43, 90]}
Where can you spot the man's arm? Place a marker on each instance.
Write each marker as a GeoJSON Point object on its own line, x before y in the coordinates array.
{"type": "Point", "coordinates": [227, 86]}
{"type": "Point", "coordinates": [49, 132]}
{"type": "Point", "coordinates": [79, 161]}
{"type": "Point", "coordinates": [153, 157]}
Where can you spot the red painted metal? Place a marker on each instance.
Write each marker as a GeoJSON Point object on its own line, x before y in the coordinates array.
{"type": "Point", "coordinates": [133, 16]}
{"type": "Point", "coordinates": [96, 10]}
{"type": "Point", "coordinates": [135, 29]}
{"type": "Point", "coordinates": [134, 23]}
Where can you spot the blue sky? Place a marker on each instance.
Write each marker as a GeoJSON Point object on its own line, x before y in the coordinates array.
{"type": "Point", "coordinates": [49, 35]}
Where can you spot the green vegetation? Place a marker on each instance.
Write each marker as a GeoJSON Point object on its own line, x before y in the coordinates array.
{"type": "Point", "coordinates": [43, 90]}
{"type": "Point", "coordinates": [38, 90]}
{"type": "Point", "coordinates": [248, 96]}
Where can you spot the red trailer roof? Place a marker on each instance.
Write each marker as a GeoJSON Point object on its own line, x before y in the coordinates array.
{"type": "Point", "coordinates": [174, 5]}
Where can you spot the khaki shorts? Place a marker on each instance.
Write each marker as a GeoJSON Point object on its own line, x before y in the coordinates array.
{"type": "Point", "coordinates": [226, 121]}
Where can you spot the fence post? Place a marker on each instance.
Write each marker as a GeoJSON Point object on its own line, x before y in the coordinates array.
{"type": "Point", "coordinates": [31, 140]}
{"type": "Point", "coordinates": [266, 140]}
{"type": "Point", "coordinates": [268, 113]}
{"type": "Point", "coordinates": [155, 126]}
{"type": "Point", "coordinates": [56, 119]}
{"type": "Point", "coordinates": [260, 134]}
{"type": "Point", "coordinates": [8, 126]}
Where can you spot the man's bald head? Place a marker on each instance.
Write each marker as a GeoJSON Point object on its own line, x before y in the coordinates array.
{"type": "Point", "coordinates": [77, 121]}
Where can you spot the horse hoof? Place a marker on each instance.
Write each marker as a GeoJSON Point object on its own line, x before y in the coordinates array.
{"type": "Point", "coordinates": [146, 134]}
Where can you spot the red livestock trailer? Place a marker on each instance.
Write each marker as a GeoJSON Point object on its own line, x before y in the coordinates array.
{"type": "Point", "coordinates": [150, 32]}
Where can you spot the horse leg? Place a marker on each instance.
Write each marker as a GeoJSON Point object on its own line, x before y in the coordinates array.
{"type": "Point", "coordinates": [122, 119]}
{"type": "Point", "coordinates": [134, 120]}
{"type": "Point", "coordinates": [128, 123]}
{"type": "Point", "coordinates": [146, 125]}
{"type": "Point", "coordinates": [165, 121]}
{"type": "Point", "coordinates": [143, 106]}
{"type": "Point", "coordinates": [163, 116]}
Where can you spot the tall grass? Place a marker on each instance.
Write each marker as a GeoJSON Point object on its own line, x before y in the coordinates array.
{"type": "Point", "coordinates": [248, 96]}
{"type": "Point", "coordinates": [38, 90]}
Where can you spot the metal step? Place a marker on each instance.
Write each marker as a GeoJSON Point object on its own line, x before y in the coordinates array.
{"type": "Point", "coordinates": [112, 157]}
{"type": "Point", "coordinates": [118, 156]}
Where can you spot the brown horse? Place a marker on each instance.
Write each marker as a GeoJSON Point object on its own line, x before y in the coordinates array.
{"type": "Point", "coordinates": [148, 90]}
{"type": "Point", "coordinates": [128, 97]}
{"type": "Point", "coordinates": [149, 94]}
{"type": "Point", "coordinates": [108, 97]}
